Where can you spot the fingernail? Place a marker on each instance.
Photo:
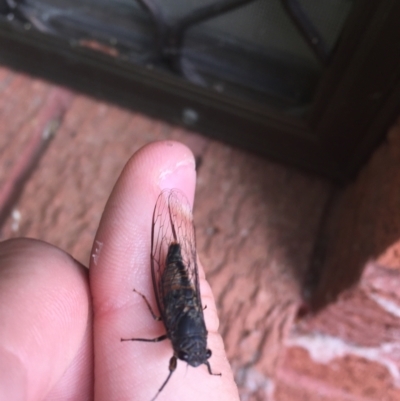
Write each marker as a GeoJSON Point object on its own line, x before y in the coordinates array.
{"type": "Point", "coordinates": [181, 175]}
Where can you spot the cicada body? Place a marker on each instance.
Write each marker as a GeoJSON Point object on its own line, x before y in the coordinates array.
{"type": "Point", "coordinates": [176, 281]}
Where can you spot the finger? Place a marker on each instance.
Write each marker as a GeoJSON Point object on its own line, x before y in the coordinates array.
{"type": "Point", "coordinates": [121, 262]}
{"type": "Point", "coordinates": [44, 314]}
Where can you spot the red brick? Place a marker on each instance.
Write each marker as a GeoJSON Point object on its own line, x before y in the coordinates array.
{"type": "Point", "coordinates": [364, 223]}
{"type": "Point", "coordinates": [350, 350]}
{"type": "Point", "coordinates": [256, 223]}
{"type": "Point", "coordinates": [63, 202]}
{"type": "Point", "coordinates": [346, 378]}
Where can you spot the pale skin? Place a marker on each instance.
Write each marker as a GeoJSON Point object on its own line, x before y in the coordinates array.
{"type": "Point", "coordinates": [60, 325]}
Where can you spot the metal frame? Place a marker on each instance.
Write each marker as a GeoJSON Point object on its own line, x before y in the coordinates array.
{"type": "Point", "coordinates": [170, 36]}
{"type": "Point", "coordinates": [357, 99]}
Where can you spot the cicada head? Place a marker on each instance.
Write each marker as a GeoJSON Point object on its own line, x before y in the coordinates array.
{"type": "Point", "coordinates": [194, 353]}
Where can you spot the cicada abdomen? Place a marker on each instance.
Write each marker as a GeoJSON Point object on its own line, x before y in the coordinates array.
{"type": "Point", "coordinates": [176, 281]}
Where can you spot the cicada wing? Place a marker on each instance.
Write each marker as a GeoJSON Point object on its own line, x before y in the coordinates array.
{"type": "Point", "coordinates": [173, 223]}
{"type": "Point", "coordinates": [160, 237]}
{"type": "Point", "coordinates": [182, 226]}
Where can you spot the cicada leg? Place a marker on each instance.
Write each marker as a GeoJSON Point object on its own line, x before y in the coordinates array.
{"type": "Point", "coordinates": [151, 340]}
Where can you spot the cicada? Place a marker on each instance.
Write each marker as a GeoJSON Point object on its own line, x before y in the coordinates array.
{"type": "Point", "coordinates": [175, 277]}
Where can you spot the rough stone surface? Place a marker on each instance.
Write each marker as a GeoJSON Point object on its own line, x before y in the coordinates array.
{"type": "Point", "coordinates": [78, 170]}
{"type": "Point", "coordinates": [364, 222]}
{"type": "Point", "coordinates": [349, 378]}
{"type": "Point", "coordinates": [351, 349]}
{"type": "Point", "coordinates": [368, 314]}
{"type": "Point", "coordinates": [256, 224]}
{"type": "Point", "coordinates": [25, 105]}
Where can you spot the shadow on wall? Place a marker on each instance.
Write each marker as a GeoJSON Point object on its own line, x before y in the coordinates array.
{"type": "Point", "coordinates": [364, 223]}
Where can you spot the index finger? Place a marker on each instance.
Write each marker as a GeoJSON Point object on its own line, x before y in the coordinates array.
{"type": "Point", "coordinates": [120, 263]}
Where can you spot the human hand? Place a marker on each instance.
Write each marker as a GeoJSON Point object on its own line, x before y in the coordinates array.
{"type": "Point", "coordinates": [60, 336]}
